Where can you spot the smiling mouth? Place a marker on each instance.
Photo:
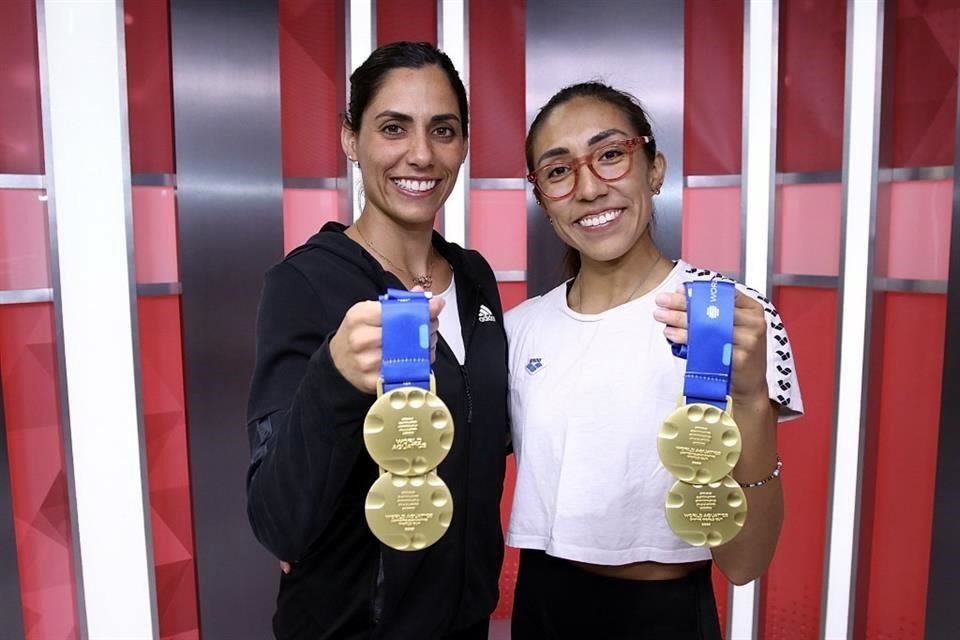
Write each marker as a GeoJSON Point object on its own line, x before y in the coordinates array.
{"type": "Point", "coordinates": [415, 187]}
{"type": "Point", "coordinates": [601, 219]}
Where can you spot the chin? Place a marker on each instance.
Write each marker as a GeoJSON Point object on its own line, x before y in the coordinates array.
{"type": "Point", "coordinates": [416, 218]}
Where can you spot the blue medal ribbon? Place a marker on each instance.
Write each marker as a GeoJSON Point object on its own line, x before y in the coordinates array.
{"type": "Point", "coordinates": [709, 348]}
{"type": "Point", "coordinates": [406, 339]}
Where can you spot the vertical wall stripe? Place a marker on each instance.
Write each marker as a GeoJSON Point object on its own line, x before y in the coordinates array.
{"type": "Point", "coordinates": [88, 159]}
{"type": "Point", "coordinates": [761, 53]}
{"type": "Point", "coordinates": [760, 72]}
{"type": "Point", "coordinates": [943, 589]}
{"type": "Point", "coordinates": [452, 40]}
{"type": "Point", "coordinates": [64, 412]}
{"type": "Point", "coordinates": [361, 41]}
{"type": "Point", "coordinates": [11, 611]}
{"type": "Point", "coordinates": [860, 170]}
{"type": "Point", "coordinates": [226, 92]}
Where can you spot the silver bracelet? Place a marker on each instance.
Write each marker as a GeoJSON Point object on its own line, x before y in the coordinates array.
{"type": "Point", "coordinates": [760, 483]}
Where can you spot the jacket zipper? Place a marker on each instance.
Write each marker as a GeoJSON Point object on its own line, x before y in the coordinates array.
{"type": "Point", "coordinates": [466, 392]}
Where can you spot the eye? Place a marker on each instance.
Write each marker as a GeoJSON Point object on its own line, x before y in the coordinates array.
{"type": "Point", "coordinates": [611, 154]}
{"type": "Point", "coordinates": [556, 171]}
{"type": "Point", "coordinates": [445, 132]}
{"type": "Point", "coordinates": [391, 129]}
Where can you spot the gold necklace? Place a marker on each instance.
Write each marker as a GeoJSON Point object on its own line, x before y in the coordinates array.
{"type": "Point", "coordinates": [425, 280]}
{"type": "Point", "coordinates": [632, 293]}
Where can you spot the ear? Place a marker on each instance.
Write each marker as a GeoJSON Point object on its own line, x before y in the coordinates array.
{"type": "Point", "coordinates": [466, 150]}
{"type": "Point", "coordinates": [657, 172]}
{"type": "Point", "coordinates": [348, 141]}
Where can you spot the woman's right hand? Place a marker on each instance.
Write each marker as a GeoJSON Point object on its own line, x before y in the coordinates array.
{"type": "Point", "coordinates": [357, 346]}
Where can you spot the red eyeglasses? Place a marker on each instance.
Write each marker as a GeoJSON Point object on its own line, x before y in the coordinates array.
{"type": "Point", "coordinates": [557, 180]}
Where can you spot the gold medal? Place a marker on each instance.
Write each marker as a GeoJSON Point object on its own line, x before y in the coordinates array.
{"type": "Point", "coordinates": [699, 443]}
{"type": "Point", "coordinates": [409, 513]}
{"type": "Point", "coordinates": [707, 515]}
{"type": "Point", "coordinates": [408, 431]}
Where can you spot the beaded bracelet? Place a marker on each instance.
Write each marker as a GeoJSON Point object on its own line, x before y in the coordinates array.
{"type": "Point", "coordinates": [760, 483]}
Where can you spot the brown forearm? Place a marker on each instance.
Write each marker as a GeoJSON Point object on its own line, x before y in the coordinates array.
{"type": "Point", "coordinates": [748, 555]}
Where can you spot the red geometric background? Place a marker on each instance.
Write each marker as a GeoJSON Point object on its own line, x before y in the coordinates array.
{"type": "Point", "coordinates": [812, 58]}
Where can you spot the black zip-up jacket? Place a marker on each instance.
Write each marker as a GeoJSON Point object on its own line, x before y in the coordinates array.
{"type": "Point", "coordinates": [309, 472]}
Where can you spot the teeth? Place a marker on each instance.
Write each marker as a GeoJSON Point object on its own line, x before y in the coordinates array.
{"type": "Point", "coordinates": [416, 185]}
{"type": "Point", "coordinates": [600, 218]}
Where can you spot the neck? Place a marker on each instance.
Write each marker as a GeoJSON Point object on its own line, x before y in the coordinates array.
{"type": "Point", "coordinates": [603, 285]}
{"type": "Point", "coordinates": [408, 247]}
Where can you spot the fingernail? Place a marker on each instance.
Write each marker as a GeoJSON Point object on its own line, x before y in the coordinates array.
{"type": "Point", "coordinates": [660, 314]}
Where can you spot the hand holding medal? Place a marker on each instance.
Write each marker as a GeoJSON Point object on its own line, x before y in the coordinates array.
{"type": "Point", "coordinates": [700, 442]}
{"type": "Point", "coordinates": [408, 431]}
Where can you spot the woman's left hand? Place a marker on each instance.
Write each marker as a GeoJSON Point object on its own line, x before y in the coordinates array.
{"type": "Point", "coordinates": [749, 338]}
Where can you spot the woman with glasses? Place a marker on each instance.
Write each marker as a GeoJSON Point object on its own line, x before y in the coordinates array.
{"type": "Point", "coordinates": [592, 378]}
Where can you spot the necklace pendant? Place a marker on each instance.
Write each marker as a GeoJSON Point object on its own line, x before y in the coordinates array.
{"type": "Point", "coordinates": [423, 281]}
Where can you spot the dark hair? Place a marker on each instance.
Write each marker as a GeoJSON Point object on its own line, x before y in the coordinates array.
{"type": "Point", "coordinates": [625, 102]}
{"type": "Point", "coordinates": [366, 80]}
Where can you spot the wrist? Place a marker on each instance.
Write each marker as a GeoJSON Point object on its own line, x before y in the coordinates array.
{"type": "Point", "coordinates": [751, 401]}
{"type": "Point", "coordinates": [746, 483]}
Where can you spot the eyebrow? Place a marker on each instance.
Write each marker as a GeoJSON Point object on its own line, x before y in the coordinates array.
{"type": "Point", "coordinates": [403, 117]}
{"type": "Point", "coordinates": [594, 139]}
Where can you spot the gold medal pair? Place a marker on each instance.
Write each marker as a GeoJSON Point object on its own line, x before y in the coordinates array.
{"type": "Point", "coordinates": [699, 444]}
{"type": "Point", "coordinates": [408, 432]}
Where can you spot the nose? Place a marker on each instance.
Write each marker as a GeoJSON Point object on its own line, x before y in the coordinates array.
{"type": "Point", "coordinates": [420, 153]}
{"type": "Point", "coordinates": [589, 187]}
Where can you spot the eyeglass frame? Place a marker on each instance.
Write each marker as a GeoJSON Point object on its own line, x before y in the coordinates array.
{"type": "Point", "coordinates": [632, 144]}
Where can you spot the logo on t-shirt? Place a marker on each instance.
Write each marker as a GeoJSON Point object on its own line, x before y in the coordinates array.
{"type": "Point", "coordinates": [534, 365]}
{"type": "Point", "coordinates": [485, 314]}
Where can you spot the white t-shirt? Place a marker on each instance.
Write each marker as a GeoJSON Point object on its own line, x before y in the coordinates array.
{"type": "Point", "coordinates": [450, 321]}
{"type": "Point", "coordinates": [588, 394]}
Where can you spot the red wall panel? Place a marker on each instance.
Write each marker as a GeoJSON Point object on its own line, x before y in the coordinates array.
{"type": "Point", "coordinates": [149, 85]}
{"type": "Point", "coordinates": [712, 87]}
{"type": "Point", "coordinates": [161, 370]}
{"type": "Point", "coordinates": [491, 212]}
{"type": "Point", "coordinates": [414, 20]}
{"type": "Point", "coordinates": [721, 590]}
{"type": "Point", "coordinates": [897, 522]}
{"type": "Point", "coordinates": [24, 258]}
{"type": "Point", "coordinates": [312, 87]}
{"type": "Point", "coordinates": [304, 212]}
{"type": "Point", "coordinates": [512, 294]}
{"type": "Point", "coordinates": [918, 244]}
{"type": "Point", "coordinates": [792, 587]}
{"type": "Point", "coordinates": [497, 78]}
{"type": "Point", "coordinates": [925, 82]}
{"type": "Point", "coordinates": [811, 85]}
{"type": "Point", "coordinates": [511, 556]}
{"type": "Point", "coordinates": [808, 229]}
{"type": "Point", "coordinates": [155, 234]}
{"type": "Point", "coordinates": [41, 507]}
{"type": "Point", "coordinates": [497, 88]}
{"type": "Point", "coordinates": [21, 127]}
{"type": "Point", "coordinates": [710, 228]}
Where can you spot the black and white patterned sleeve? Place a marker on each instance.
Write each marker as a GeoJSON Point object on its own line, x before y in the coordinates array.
{"type": "Point", "coordinates": [781, 366]}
